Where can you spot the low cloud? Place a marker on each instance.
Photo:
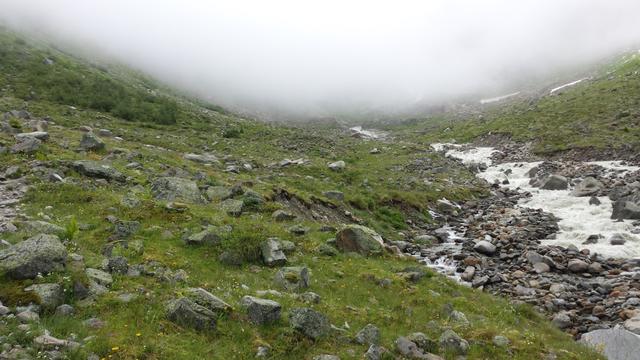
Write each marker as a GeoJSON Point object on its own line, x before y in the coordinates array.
{"type": "Point", "coordinates": [327, 57]}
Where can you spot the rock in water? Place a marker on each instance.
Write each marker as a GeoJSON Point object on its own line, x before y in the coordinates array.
{"type": "Point", "coordinates": [360, 239]}
{"type": "Point", "coordinates": [587, 187]}
{"type": "Point", "coordinates": [615, 344]}
{"type": "Point", "coordinates": [40, 254]}
{"type": "Point", "coordinates": [555, 182]}
{"type": "Point", "coordinates": [623, 209]}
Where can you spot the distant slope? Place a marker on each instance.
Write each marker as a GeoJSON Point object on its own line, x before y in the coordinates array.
{"type": "Point", "coordinates": [599, 112]}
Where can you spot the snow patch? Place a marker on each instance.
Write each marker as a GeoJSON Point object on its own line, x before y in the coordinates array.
{"type": "Point", "coordinates": [567, 85]}
{"type": "Point", "coordinates": [498, 98]}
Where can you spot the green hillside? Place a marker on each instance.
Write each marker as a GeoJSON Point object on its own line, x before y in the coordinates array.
{"type": "Point", "coordinates": [115, 214]}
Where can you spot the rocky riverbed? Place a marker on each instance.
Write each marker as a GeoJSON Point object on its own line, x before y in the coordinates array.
{"type": "Point", "coordinates": [561, 236]}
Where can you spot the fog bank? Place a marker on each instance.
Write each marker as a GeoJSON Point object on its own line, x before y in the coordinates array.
{"type": "Point", "coordinates": [322, 57]}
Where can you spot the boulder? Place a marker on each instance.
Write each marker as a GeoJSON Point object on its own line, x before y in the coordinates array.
{"type": "Point", "coordinates": [293, 278]}
{"type": "Point", "coordinates": [219, 193]}
{"type": "Point", "coordinates": [452, 342]}
{"type": "Point", "coordinates": [337, 166]}
{"type": "Point", "coordinates": [309, 323]}
{"type": "Point", "coordinates": [577, 266]}
{"type": "Point", "coordinates": [615, 344]}
{"type": "Point", "coordinates": [485, 247]}
{"type": "Point", "coordinates": [95, 169]}
{"type": "Point", "coordinates": [40, 135]}
{"type": "Point", "coordinates": [272, 253]}
{"type": "Point", "coordinates": [334, 195]}
{"type": "Point", "coordinates": [99, 277]}
{"type": "Point", "coordinates": [176, 189]}
{"type": "Point", "coordinates": [187, 313]}
{"type": "Point", "coordinates": [587, 187]}
{"type": "Point", "coordinates": [624, 209]}
{"type": "Point", "coordinates": [207, 300]}
{"type": "Point", "coordinates": [617, 239]}
{"type": "Point", "coordinates": [210, 236]}
{"type": "Point", "coordinates": [368, 335]}
{"type": "Point", "coordinates": [408, 349]}
{"type": "Point", "coordinates": [49, 295]}
{"type": "Point", "coordinates": [232, 207]}
{"type": "Point", "coordinates": [40, 227]}
{"type": "Point", "coordinates": [360, 239]}
{"type": "Point", "coordinates": [261, 311]}
{"type": "Point", "coordinates": [90, 142]}
{"type": "Point", "coordinates": [26, 145]}
{"type": "Point", "coordinates": [281, 215]}
{"type": "Point", "coordinates": [202, 158]}
{"type": "Point", "coordinates": [40, 254]}
{"type": "Point", "coordinates": [555, 182]}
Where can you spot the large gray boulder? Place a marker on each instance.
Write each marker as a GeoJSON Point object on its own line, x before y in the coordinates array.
{"type": "Point", "coordinates": [232, 207]}
{"type": "Point", "coordinates": [555, 182]}
{"type": "Point", "coordinates": [625, 209]}
{"type": "Point", "coordinates": [485, 247]}
{"type": "Point", "coordinates": [587, 187]}
{"type": "Point", "coordinates": [292, 278]}
{"type": "Point", "coordinates": [26, 145]}
{"type": "Point", "coordinates": [95, 169]}
{"type": "Point", "coordinates": [272, 252]}
{"type": "Point", "coordinates": [49, 295]}
{"type": "Point", "coordinates": [615, 344]}
{"type": "Point", "coordinates": [209, 301]}
{"type": "Point", "coordinates": [261, 311]}
{"type": "Point", "coordinates": [212, 235]}
{"type": "Point", "coordinates": [360, 239]}
{"type": "Point", "coordinates": [187, 313]}
{"type": "Point", "coordinates": [309, 323]}
{"type": "Point", "coordinates": [90, 142]}
{"type": "Point", "coordinates": [40, 254]}
{"type": "Point", "coordinates": [176, 189]}
{"type": "Point", "coordinates": [450, 341]}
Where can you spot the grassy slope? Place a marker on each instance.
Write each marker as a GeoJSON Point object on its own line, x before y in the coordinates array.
{"type": "Point", "coordinates": [347, 284]}
{"type": "Point", "coordinates": [602, 112]}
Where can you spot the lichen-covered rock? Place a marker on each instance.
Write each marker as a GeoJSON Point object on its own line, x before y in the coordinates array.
{"type": "Point", "coordinates": [188, 313]}
{"type": "Point", "coordinates": [360, 239]}
{"type": "Point", "coordinates": [261, 311]}
{"type": "Point", "coordinates": [95, 169]}
{"type": "Point", "coordinates": [40, 254]}
{"type": "Point", "coordinates": [206, 299]}
{"type": "Point", "coordinates": [309, 323]}
{"type": "Point", "coordinates": [49, 295]}
{"type": "Point", "coordinates": [90, 142]}
{"type": "Point", "coordinates": [292, 278]}
{"type": "Point", "coordinates": [272, 253]}
{"type": "Point", "coordinates": [176, 189]}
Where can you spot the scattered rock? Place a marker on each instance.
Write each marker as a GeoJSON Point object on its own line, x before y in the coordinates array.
{"type": "Point", "coordinates": [187, 313]}
{"type": "Point", "coordinates": [40, 254]}
{"type": "Point", "coordinates": [292, 278]}
{"type": "Point", "coordinates": [272, 254]}
{"type": "Point", "coordinates": [176, 189]}
{"type": "Point", "coordinates": [261, 311]}
{"type": "Point", "coordinates": [360, 239]}
{"type": "Point", "coordinates": [309, 323]}
{"type": "Point", "coordinates": [90, 142]}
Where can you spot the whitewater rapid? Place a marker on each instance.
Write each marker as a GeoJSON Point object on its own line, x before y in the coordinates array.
{"type": "Point", "coordinates": [577, 218]}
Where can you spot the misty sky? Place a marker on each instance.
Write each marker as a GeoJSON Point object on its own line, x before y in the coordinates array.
{"type": "Point", "coordinates": [314, 55]}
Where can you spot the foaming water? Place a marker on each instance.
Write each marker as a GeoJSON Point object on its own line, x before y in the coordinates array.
{"type": "Point", "coordinates": [577, 218]}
